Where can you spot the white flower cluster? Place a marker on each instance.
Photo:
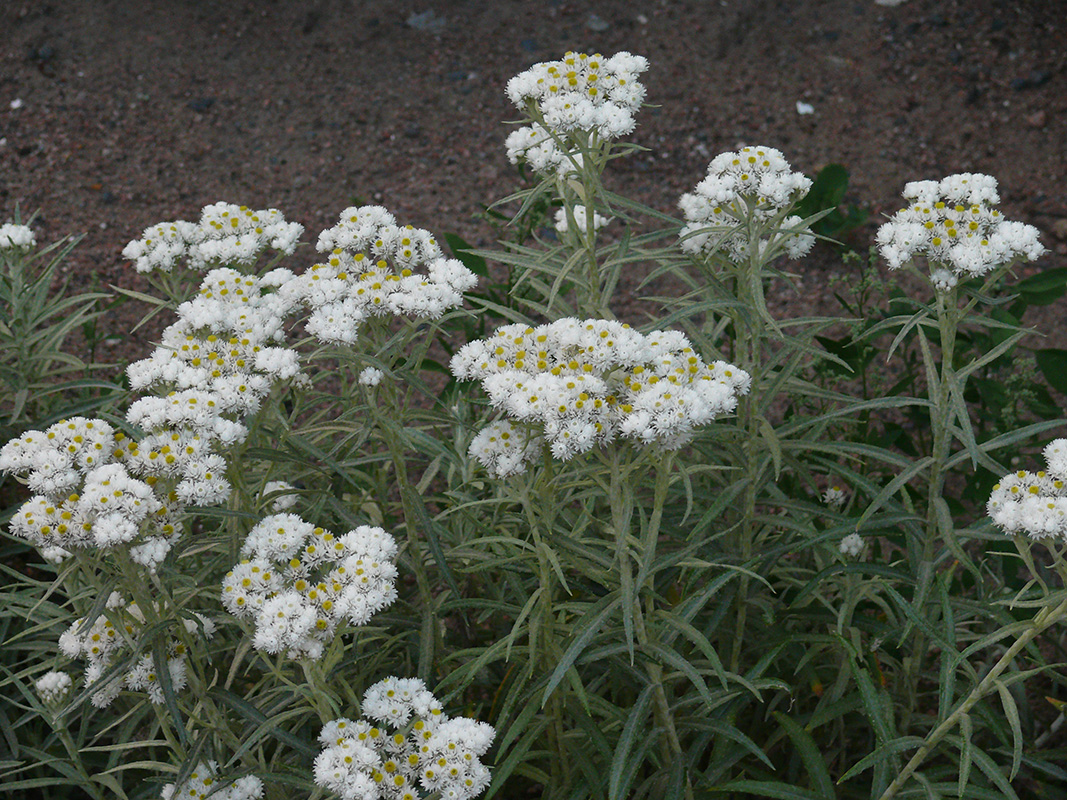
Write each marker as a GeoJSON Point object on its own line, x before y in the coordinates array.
{"type": "Point", "coordinates": [53, 687]}
{"type": "Point", "coordinates": [753, 184]}
{"type": "Point", "coordinates": [220, 342]}
{"type": "Point", "coordinates": [219, 360]}
{"type": "Point", "coordinates": [1034, 503]}
{"type": "Point", "coordinates": [226, 235]}
{"type": "Point", "coordinates": [505, 447]}
{"type": "Point", "coordinates": [581, 383]}
{"type": "Point", "coordinates": [298, 583]}
{"type": "Point", "coordinates": [372, 269]}
{"type": "Point", "coordinates": [953, 224]}
{"type": "Point", "coordinates": [16, 237]}
{"type": "Point", "coordinates": [202, 782]}
{"type": "Point", "coordinates": [370, 376]}
{"type": "Point", "coordinates": [109, 635]}
{"type": "Point", "coordinates": [581, 221]}
{"type": "Point", "coordinates": [84, 497]}
{"type": "Point", "coordinates": [852, 545]}
{"type": "Point", "coordinates": [361, 761]}
{"type": "Point", "coordinates": [834, 496]}
{"type": "Point", "coordinates": [282, 493]}
{"type": "Point", "coordinates": [581, 93]}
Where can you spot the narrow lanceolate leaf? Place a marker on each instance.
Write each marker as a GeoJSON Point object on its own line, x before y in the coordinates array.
{"type": "Point", "coordinates": [809, 752]}
{"type": "Point", "coordinates": [883, 752]}
{"type": "Point", "coordinates": [585, 630]}
{"type": "Point", "coordinates": [161, 664]}
{"type": "Point", "coordinates": [966, 753]}
{"type": "Point", "coordinates": [893, 487]}
{"type": "Point", "coordinates": [782, 791]}
{"type": "Point", "coordinates": [1011, 711]}
{"type": "Point", "coordinates": [621, 765]}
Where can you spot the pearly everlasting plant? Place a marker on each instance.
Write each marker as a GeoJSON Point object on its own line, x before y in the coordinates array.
{"type": "Point", "coordinates": [361, 761]}
{"type": "Point", "coordinates": [372, 270]}
{"type": "Point", "coordinates": [954, 225]}
{"type": "Point", "coordinates": [581, 383]}
{"type": "Point", "coordinates": [572, 101]}
{"type": "Point", "coordinates": [226, 235]}
{"type": "Point", "coordinates": [1034, 503]}
{"type": "Point", "coordinates": [756, 186]}
{"type": "Point", "coordinates": [297, 583]}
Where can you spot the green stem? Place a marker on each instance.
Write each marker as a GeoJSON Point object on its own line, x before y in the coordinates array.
{"type": "Point", "coordinates": [941, 413]}
{"type": "Point", "coordinates": [1044, 619]}
{"type": "Point", "coordinates": [622, 502]}
{"type": "Point", "coordinates": [748, 338]}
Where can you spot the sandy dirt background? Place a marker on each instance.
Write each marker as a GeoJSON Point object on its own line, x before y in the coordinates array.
{"type": "Point", "coordinates": [116, 114]}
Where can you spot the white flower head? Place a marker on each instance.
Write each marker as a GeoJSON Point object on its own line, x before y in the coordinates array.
{"type": "Point", "coordinates": [16, 237]}
{"type": "Point", "coordinates": [575, 384]}
{"type": "Point", "coordinates": [755, 183]}
{"type": "Point", "coordinates": [580, 94]}
{"type": "Point", "coordinates": [226, 235]}
{"type": "Point", "coordinates": [954, 225]}
{"type": "Point", "coordinates": [203, 782]}
{"type": "Point", "coordinates": [298, 584]}
{"type": "Point", "coordinates": [53, 687]}
{"type": "Point", "coordinates": [370, 376]}
{"type": "Point", "coordinates": [426, 749]}
{"type": "Point", "coordinates": [1034, 503]}
{"type": "Point", "coordinates": [374, 267]}
{"type": "Point", "coordinates": [835, 496]}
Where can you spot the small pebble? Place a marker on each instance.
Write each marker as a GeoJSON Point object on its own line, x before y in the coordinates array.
{"type": "Point", "coordinates": [595, 23]}
{"type": "Point", "coordinates": [1037, 119]}
{"type": "Point", "coordinates": [426, 21]}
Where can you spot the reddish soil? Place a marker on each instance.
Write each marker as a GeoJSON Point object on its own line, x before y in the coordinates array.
{"type": "Point", "coordinates": [130, 116]}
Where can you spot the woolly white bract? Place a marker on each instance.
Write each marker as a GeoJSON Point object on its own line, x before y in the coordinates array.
{"type": "Point", "coordinates": [852, 546]}
{"type": "Point", "coordinates": [16, 237]}
{"type": "Point", "coordinates": [361, 761]}
{"type": "Point", "coordinates": [202, 782]}
{"type": "Point", "coordinates": [581, 221]}
{"type": "Point", "coordinates": [579, 383]}
{"type": "Point", "coordinates": [1034, 503]}
{"type": "Point", "coordinates": [372, 270]}
{"type": "Point", "coordinates": [297, 583]}
{"type": "Point", "coordinates": [226, 235]}
{"type": "Point", "coordinates": [113, 634]}
{"type": "Point", "coordinates": [753, 186]}
{"type": "Point", "coordinates": [580, 95]}
{"type": "Point", "coordinates": [53, 687]}
{"type": "Point", "coordinates": [834, 496]}
{"type": "Point", "coordinates": [282, 495]}
{"type": "Point", "coordinates": [953, 224]}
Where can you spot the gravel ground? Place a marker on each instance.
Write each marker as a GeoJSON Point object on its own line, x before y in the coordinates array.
{"type": "Point", "coordinates": [113, 118]}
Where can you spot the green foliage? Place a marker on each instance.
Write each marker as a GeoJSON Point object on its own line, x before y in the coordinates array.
{"type": "Point", "coordinates": [633, 623]}
{"type": "Point", "coordinates": [827, 193]}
